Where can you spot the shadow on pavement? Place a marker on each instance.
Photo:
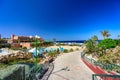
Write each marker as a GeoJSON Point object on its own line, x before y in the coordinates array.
{"type": "Point", "coordinates": [65, 69]}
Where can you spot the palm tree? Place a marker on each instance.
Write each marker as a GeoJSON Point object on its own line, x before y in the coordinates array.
{"type": "Point", "coordinates": [95, 47]}
{"type": "Point", "coordinates": [54, 40]}
{"type": "Point", "coordinates": [118, 36]}
{"type": "Point", "coordinates": [90, 46]}
{"type": "Point", "coordinates": [95, 38]}
{"type": "Point", "coordinates": [105, 34]}
{"type": "Point", "coordinates": [108, 35]}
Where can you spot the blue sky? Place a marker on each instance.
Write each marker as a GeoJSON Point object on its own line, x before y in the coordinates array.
{"type": "Point", "coordinates": [60, 19]}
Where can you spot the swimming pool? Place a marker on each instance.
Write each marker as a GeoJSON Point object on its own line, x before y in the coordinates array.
{"type": "Point", "coordinates": [42, 50]}
{"type": "Point", "coordinates": [4, 52]}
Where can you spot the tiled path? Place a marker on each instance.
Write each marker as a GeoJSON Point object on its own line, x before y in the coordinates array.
{"type": "Point", "coordinates": [69, 66]}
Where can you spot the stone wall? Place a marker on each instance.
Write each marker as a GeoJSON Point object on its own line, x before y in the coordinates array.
{"type": "Point", "coordinates": [15, 56]}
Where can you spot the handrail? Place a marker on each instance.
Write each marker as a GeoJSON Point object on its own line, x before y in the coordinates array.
{"type": "Point", "coordinates": [105, 77]}
{"type": "Point", "coordinates": [103, 66]}
{"type": "Point", "coordinates": [110, 67]}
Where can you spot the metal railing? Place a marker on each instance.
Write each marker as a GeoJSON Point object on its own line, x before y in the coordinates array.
{"type": "Point", "coordinates": [108, 67]}
{"type": "Point", "coordinates": [105, 77]}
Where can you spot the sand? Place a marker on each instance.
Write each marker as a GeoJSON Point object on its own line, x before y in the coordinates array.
{"type": "Point", "coordinates": [67, 47]}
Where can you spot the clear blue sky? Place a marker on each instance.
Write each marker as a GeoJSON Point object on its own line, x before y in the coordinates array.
{"type": "Point", "coordinates": [60, 19]}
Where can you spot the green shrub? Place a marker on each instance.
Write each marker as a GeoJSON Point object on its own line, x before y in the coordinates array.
{"type": "Point", "coordinates": [33, 60]}
{"type": "Point", "coordinates": [107, 43]}
{"type": "Point", "coordinates": [117, 42]}
{"type": "Point", "coordinates": [107, 58]}
{"type": "Point", "coordinates": [14, 48]}
{"type": "Point", "coordinates": [90, 46]}
{"type": "Point", "coordinates": [51, 54]}
{"type": "Point", "coordinates": [65, 51]}
{"type": "Point", "coordinates": [77, 49]}
{"type": "Point", "coordinates": [71, 50]}
{"type": "Point", "coordinates": [28, 55]}
{"type": "Point", "coordinates": [117, 69]}
{"type": "Point", "coordinates": [24, 48]}
{"type": "Point", "coordinates": [2, 65]}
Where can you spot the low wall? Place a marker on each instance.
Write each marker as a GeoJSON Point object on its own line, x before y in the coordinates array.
{"type": "Point", "coordinates": [47, 74]}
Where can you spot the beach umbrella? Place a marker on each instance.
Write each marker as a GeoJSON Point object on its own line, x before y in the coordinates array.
{"type": "Point", "coordinates": [61, 49]}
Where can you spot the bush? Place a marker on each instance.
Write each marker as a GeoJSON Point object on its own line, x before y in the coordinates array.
{"type": "Point", "coordinates": [77, 49]}
{"type": "Point", "coordinates": [14, 48]}
{"type": "Point", "coordinates": [107, 43]}
{"type": "Point", "coordinates": [117, 42]}
{"type": "Point", "coordinates": [28, 55]}
{"type": "Point", "coordinates": [2, 65]}
{"type": "Point", "coordinates": [5, 45]}
{"type": "Point", "coordinates": [71, 50]}
{"type": "Point", "coordinates": [65, 51]}
{"type": "Point", "coordinates": [90, 46]}
{"type": "Point", "coordinates": [24, 48]}
{"type": "Point", "coordinates": [33, 60]}
{"type": "Point", "coordinates": [51, 54]}
{"type": "Point", "coordinates": [107, 58]}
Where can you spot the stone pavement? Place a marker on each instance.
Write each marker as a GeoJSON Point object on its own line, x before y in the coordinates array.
{"type": "Point", "coordinates": [69, 66]}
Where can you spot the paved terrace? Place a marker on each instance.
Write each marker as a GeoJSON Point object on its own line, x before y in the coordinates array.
{"type": "Point", "coordinates": [69, 66]}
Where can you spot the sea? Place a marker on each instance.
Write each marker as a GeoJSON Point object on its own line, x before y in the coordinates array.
{"type": "Point", "coordinates": [71, 41]}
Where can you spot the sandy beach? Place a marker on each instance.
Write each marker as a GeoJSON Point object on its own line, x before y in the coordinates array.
{"type": "Point", "coordinates": [66, 47]}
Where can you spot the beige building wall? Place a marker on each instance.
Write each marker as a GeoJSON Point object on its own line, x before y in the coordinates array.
{"type": "Point", "coordinates": [22, 41]}
{"type": "Point", "coordinates": [27, 45]}
{"type": "Point", "coordinates": [15, 37]}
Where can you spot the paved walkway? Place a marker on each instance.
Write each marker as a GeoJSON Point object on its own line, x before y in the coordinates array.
{"type": "Point", "coordinates": [69, 66]}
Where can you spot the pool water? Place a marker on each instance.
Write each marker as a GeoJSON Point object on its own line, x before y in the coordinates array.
{"type": "Point", "coordinates": [4, 52]}
{"type": "Point", "coordinates": [42, 50]}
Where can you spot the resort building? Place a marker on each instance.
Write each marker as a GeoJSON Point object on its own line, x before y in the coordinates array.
{"type": "Point", "coordinates": [23, 41]}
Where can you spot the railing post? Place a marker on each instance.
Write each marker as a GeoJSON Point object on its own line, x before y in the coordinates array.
{"type": "Point", "coordinates": [92, 76]}
{"type": "Point", "coordinates": [92, 61]}
{"type": "Point", "coordinates": [110, 67]}
{"type": "Point", "coordinates": [81, 54]}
